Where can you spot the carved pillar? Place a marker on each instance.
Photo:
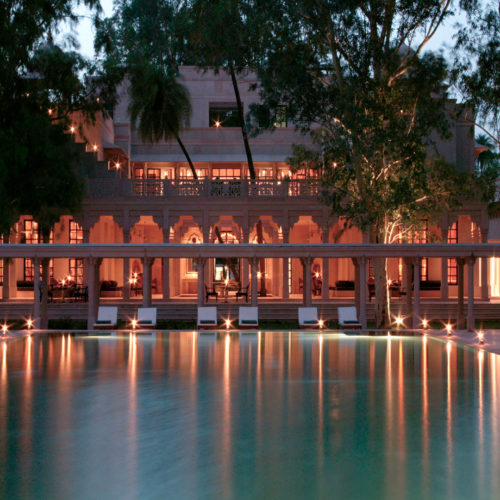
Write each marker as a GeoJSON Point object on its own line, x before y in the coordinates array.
{"type": "Point", "coordinates": [325, 292]}
{"type": "Point", "coordinates": [86, 239]}
{"type": "Point", "coordinates": [126, 268]}
{"type": "Point", "coordinates": [470, 294]}
{"type": "Point", "coordinates": [361, 285]}
{"type": "Point", "coordinates": [408, 285]}
{"type": "Point", "coordinates": [36, 293]}
{"type": "Point", "coordinates": [200, 266]}
{"type": "Point", "coordinates": [6, 279]}
{"type": "Point", "coordinates": [444, 262]}
{"type": "Point", "coordinates": [485, 295]}
{"type": "Point", "coordinates": [93, 265]}
{"type": "Point", "coordinates": [357, 282]}
{"type": "Point", "coordinates": [245, 233]}
{"type": "Point", "coordinates": [416, 292]}
{"type": "Point", "coordinates": [460, 295]}
{"type": "Point", "coordinates": [254, 265]}
{"type": "Point", "coordinates": [166, 266]}
{"type": "Point", "coordinates": [307, 281]}
{"type": "Point", "coordinates": [285, 271]}
{"type": "Point", "coordinates": [147, 264]}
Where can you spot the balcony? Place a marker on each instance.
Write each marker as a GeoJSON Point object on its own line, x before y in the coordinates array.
{"type": "Point", "coordinates": [207, 188]}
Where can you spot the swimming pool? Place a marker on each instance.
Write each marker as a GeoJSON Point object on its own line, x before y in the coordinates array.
{"type": "Point", "coordinates": [268, 415]}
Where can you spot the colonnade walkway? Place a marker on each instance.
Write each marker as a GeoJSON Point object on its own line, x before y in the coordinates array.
{"type": "Point", "coordinates": [465, 255]}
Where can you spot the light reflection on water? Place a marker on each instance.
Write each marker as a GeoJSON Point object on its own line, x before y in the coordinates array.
{"type": "Point", "coordinates": [265, 415]}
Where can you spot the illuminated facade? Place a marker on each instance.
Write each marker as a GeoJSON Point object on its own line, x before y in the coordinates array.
{"type": "Point", "coordinates": [145, 193]}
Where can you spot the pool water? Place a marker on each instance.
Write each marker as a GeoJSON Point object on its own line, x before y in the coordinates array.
{"type": "Point", "coordinates": [266, 415]}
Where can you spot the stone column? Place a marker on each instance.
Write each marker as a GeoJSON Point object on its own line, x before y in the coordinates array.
{"type": "Point", "coordinates": [470, 294]}
{"type": "Point", "coordinates": [244, 262]}
{"type": "Point", "coordinates": [86, 239]}
{"type": "Point", "coordinates": [166, 267]}
{"type": "Point", "coordinates": [325, 292]}
{"type": "Point", "coordinates": [254, 265]}
{"type": "Point", "coordinates": [6, 279]}
{"type": "Point", "coordinates": [284, 261]}
{"type": "Point", "coordinates": [485, 295]}
{"type": "Point", "coordinates": [416, 292]}
{"type": "Point", "coordinates": [147, 299]}
{"type": "Point", "coordinates": [93, 265]}
{"type": "Point", "coordinates": [36, 293]}
{"type": "Point", "coordinates": [460, 297]}
{"type": "Point", "coordinates": [307, 282]}
{"type": "Point", "coordinates": [357, 282]}
{"type": "Point", "coordinates": [444, 262]}
{"type": "Point", "coordinates": [361, 284]}
{"type": "Point", "coordinates": [200, 266]}
{"type": "Point", "coordinates": [126, 268]}
{"type": "Point", "coordinates": [408, 285]}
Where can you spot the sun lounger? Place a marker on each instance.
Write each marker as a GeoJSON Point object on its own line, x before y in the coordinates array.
{"type": "Point", "coordinates": [146, 317]}
{"type": "Point", "coordinates": [348, 317]}
{"type": "Point", "coordinates": [107, 317]}
{"type": "Point", "coordinates": [308, 317]}
{"type": "Point", "coordinates": [248, 317]}
{"type": "Point", "coordinates": [207, 317]}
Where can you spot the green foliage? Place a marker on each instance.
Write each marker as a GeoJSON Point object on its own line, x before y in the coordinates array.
{"type": "Point", "coordinates": [158, 102]}
{"type": "Point", "coordinates": [149, 59]}
{"type": "Point", "coordinates": [476, 66]}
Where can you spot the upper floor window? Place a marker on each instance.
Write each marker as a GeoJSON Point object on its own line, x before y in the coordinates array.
{"type": "Point", "coordinates": [138, 173]}
{"type": "Point", "coordinates": [280, 117]}
{"type": "Point", "coordinates": [154, 173]}
{"type": "Point", "coordinates": [223, 115]}
{"type": "Point", "coordinates": [226, 173]}
{"type": "Point", "coordinates": [75, 233]}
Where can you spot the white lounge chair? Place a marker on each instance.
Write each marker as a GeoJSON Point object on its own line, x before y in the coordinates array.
{"type": "Point", "coordinates": [348, 317]}
{"type": "Point", "coordinates": [146, 317]}
{"type": "Point", "coordinates": [207, 317]}
{"type": "Point", "coordinates": [248, 317]}
{"type": "Point", "coordinates": [308, 317]}
{"type": "Point", "coordinates": [107, 317]}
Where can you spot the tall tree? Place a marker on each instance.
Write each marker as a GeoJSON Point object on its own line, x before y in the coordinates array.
{"type": "Point", "coordinates": [222, 38]}
{"type": "Point", "coordinates": [40, 86]}
{"type": "Point", "coordinates": [149, 58]}
{"type": "Point", "coordinates": [354, 75]}
{"type": "Point", "coordinates": [476, 66]}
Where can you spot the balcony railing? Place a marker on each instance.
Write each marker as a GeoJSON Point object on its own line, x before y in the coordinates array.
{"type": "Point", "coordinates": [207, 188]}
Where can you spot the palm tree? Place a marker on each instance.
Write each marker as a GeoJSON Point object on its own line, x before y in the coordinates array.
{"type": "Point", "coordinates": [160, 104]}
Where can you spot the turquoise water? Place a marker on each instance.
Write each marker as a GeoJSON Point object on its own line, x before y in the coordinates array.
{"type": "Point", "coordinates": [270, 415]}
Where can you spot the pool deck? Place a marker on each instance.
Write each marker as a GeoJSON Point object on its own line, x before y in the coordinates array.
{"type": "Point", "coordinates": [463, 337]}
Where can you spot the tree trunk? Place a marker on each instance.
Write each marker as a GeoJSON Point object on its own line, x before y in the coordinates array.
{"type": "Point", "coordinates": [186, 154]}
{"type": "Point", "coordinates": [251, 168]}
{"type": "Point", "coordinates": [382, 302]}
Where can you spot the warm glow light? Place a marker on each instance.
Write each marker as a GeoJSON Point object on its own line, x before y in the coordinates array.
{"type": "Point", "coordinates": [321, 323]}
{"type": "Point", "coordinates": [226, 281]}
{"type": "Point", "coordinates": [259, 274]}
{"type": "Point", "coordinates": [69, 278]}
{"type": "Point", "coordinates": [72, 129]}
{"type": "Point", "coordinates": [316, 274]}
{"type": "Point", "coordinates": [217, 123]}
{"type": "Point", "coordinates": [134, 323]}
{"type": "Point", "coordinates": [63, 282]}
{"type": "Point", "coordinates": [95, 147]}
{"type": "Point", "coordinates": [449, 328]}
{"type": "Point", "coordinates": [49, 111]}
{"type": "Point", "coordinates": [4, 328]}
{"type": "Point", "coordinates": [425, 323]}
{"type": "Point", "coordinates": [29, 323]}
{"type": "Point", "coordinates": [117, 165]}
{"type": "Point", "coordinates": [389, 282]}
{"type": "Point", "coordinates": [480, 337]}
{"type": "Point", "coordinates": [228, 323]}
{"type": "Point", "coordinates": [399, 320]}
